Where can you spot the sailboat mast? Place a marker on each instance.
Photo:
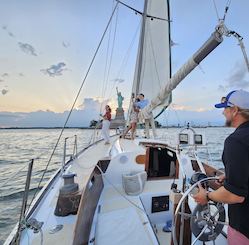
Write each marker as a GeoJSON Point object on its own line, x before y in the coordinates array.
{"type": "Point", "coordinates": [141, 44]}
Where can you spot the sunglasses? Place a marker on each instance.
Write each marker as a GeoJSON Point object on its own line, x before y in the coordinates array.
{"type": "Point", "coordinates": [225, 101]}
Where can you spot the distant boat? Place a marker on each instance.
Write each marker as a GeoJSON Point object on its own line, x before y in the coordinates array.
{"type": "Point", "coordinates": [133, 191]}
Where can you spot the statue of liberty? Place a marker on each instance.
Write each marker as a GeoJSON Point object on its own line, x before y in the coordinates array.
{"type": "Point", "coordinates": [120, 99]}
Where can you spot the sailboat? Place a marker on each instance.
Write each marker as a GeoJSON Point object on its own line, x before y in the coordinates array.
{"type": "Point", "coordinates": [133, 191]}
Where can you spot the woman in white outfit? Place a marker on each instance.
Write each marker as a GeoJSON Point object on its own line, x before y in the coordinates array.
{"type": "Point", "coordinates": [106, 124]}
{"type": "Point", "coordinates": [133, 119]}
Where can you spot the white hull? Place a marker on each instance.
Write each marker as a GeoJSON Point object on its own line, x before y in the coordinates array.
{"type": "Point", "coordinates": [118, 218]}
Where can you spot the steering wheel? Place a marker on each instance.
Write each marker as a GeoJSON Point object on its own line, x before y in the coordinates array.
{"type": "Point", "coordinates": [206, 221]}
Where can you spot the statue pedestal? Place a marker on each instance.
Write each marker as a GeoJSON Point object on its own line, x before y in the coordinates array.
{"type": "Point", "coordinates": [119, 120]}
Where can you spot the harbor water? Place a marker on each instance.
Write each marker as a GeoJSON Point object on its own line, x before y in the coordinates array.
{"type": "Point", "coordinates": [19, 146]}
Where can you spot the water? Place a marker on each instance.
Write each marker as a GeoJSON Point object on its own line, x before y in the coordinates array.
{"type": "Point", "coordinates": [18, 146]}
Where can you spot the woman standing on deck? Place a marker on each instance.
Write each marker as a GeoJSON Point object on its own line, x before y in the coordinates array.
{"type": "Point", "coordinates": [106, 124]}
{"type": "Point", "coordinates": [133, 119]}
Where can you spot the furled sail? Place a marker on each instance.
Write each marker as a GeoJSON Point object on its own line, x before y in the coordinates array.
{"type": "Point", "coordinates": [153, 65]}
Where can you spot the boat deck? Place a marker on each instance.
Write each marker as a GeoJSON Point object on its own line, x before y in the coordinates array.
{"type": "Point", "coordinates": [119, 218]}
{"type": "Point", "coordinates": [124, 219]}
{"type": "Point", "coordinates": [83, 167]}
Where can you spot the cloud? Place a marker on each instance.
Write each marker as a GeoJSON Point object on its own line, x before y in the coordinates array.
{"type": "Point", "coordinates": [27, 48]}
{"type": "Point", "coordinates": [10, 115]}
{"type": "Point", "coordinates": [55, 70]}
{"type": "Point", "coordinates": [185, 108]}
{"type": "Point", "coordinates": [5, 28]}
{"type": "Point", "coordinates": [1, 80]}
{"type": "Point", "coordinates": [21, 74]}
{"type": "Point", "coordinates": [222, 89]}
{"type": "Point", "coordinates": [90, 104]}
{"type": "Point", "coordinates": [4, 91]}
{"type": "Point", "coordinates": [5, 74]}
{"type": "Point", "coordinates": [7, 119]}
{"type": "Point", "coordinates": [79, 117]}
{"type": "Point", "coordinates": [212, 117]}
{"type": "Point", "coordinates": [178, 107]}
{"type": "Point", "coordinates": [90, 111]}
{"type": "Point", "coordinates": [237, 79]}
{"type": "Point", "coordinates": [11, 34]}
{"type": "Point", "coordinates": [119, 80]}
{"type": "Point", "coordinates": [65, 44]}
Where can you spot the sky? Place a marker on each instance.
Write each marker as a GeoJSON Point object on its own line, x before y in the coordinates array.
{"type": "Point", "coordinates": [46, 48]}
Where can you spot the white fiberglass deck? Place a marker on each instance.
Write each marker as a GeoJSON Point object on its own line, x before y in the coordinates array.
{"type": "Point", "coordinates": [123, 219]}
{"type": "Point", "coordinates": [83, 166]}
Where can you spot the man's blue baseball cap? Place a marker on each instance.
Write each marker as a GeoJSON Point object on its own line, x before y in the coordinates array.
{"type": "Point", "coordinates": [238, 98]}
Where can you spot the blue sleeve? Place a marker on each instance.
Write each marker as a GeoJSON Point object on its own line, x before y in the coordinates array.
{"type": "Point", "coordinates": [138, 104]}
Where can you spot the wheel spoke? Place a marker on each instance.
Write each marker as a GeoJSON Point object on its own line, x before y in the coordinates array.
{"type": "Point", "coordinates": [203, 230]}
{"type": "Point", "coordinates": [186, 215]}
{"type": "Point", "coordinates": [222, 223]}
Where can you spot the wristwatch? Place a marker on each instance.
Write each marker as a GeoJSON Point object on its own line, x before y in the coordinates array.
{"type": "Point", "coordinates": [207, 197]}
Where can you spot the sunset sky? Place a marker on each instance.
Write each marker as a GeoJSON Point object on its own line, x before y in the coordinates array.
{"type": "Point", "coordinates": [46, 48]}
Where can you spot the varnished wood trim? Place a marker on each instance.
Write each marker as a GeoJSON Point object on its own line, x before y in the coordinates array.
{"type": "Point", "coordinates": [87, 207]}
{"type": "Point", "coordinates": [187, 230]}
{"type": "Point", "coordinates": [140, 159]}
{"type": "Point", "coordinates": [210, 172]}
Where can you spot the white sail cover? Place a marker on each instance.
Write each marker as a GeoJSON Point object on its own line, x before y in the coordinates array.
{"type": "Point", "coordinates": [154, 44]}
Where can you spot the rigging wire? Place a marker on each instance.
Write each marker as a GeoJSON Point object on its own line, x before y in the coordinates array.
{"type": "Point", "coordinates": [106, 61]}
{"type": "Point", "coordinates": [126, 58]}
{"type": "Point", "coordinates": [156, 71]}
{"type": "Point", "coordinates": [124, 61]}
{"type": "Point", "coordinates": [119, 74]}
{"type": "Point", "coordinates": [75, 100]}
{"type": "Point", "coordinates": [160, 113]}
{"type": "Point", "coordinates": [154, 59]}
{"type": "Point", "coordinates": [233, 33]}
{"type": "Point", "coordinates": [216, 10]}
{"type": "Point", "coordinates": [128, 52]}
{"type": "Point", "coordinates": [107, 70]}
{"type": "Point", "coordinates": [225, 11]}
{"type": "Point", "coordinates": [155, 66]}
{"type": "Point", "coordinates": [139, 12]}
{"type": "Point", "coordinates": [111, 54]}
{"type": "Point", "coordinates": [178, 118]}
{"type": "Point", "coordinates": [167, 116]}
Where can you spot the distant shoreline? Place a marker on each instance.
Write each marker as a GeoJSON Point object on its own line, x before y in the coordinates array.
{"type": "Point", "coordinates": [46, 128]}
{"type": "Point", "coordinates": [172, 126]}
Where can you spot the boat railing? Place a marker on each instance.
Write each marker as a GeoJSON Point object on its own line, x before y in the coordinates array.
{"type": "Point", "coordinates": [74, 153]}
{"type": "Point", "coordinates": [70, 144]}
{"type": "Point", "coordinates": [25, 200]}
